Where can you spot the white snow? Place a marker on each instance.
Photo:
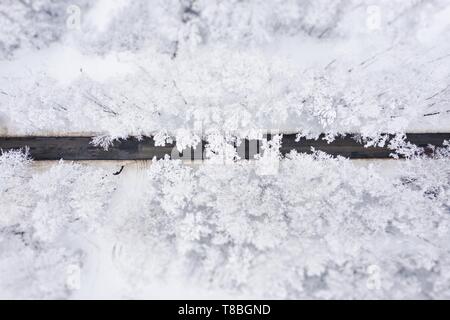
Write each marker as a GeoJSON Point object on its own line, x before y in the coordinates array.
{"type": "Point", "coordinates": [307, 226]}
{"type": "Point", "coordinates": [296, 66]}
{"type": "Point", "coordinates": [317, 228]}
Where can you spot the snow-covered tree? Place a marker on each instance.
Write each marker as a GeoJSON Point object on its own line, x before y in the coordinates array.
{"type": "Point", "coordinates": [32, 24]}
{"type": "Point", "coordinates": [235, 66]}
{"type": "Point", "coordinates": [319, 228]}
{"type": "Point", "coordinates": [306, 226]}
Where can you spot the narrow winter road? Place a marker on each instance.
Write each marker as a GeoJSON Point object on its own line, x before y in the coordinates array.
{"type": "Point", "coordinates": [81, 148]}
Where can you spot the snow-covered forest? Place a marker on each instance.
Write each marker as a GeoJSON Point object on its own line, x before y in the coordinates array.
{"type": "Point", "coordinates": [120, 68]}
{"type": "Point", "coordinates": [303, 226]}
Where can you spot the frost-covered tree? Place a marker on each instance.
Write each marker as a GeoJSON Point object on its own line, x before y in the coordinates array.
{"type": "Point", "coordinates": [303, 66]}
{"type": "Point", "coordinates": [42, 229]}
{"type": "Point", "coordinates": [136, 24]}
{"type": "Point", "coordinates": [32, 24]}
{"type": "Point", "coordinates": [319, 227]}
{"type": "Point", "coordinates": [307, 226]}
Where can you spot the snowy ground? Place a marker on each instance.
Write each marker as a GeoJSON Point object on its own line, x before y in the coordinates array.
{"type": "Point", "coordinates": [307, 226]}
